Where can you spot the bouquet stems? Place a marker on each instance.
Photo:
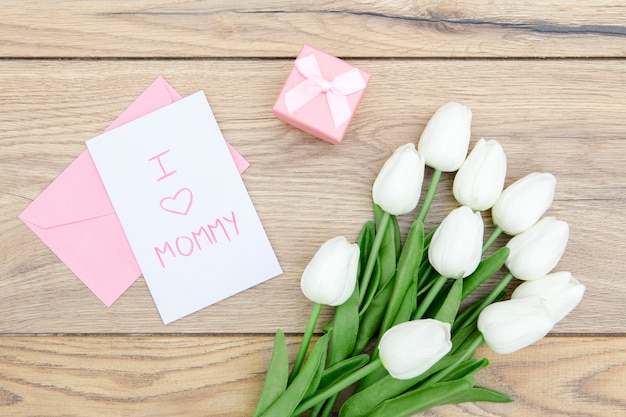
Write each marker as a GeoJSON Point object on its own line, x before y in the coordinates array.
{"type": "Point", "coordinates": [420, 338]}
{"type": "Point", "coordinates": [306, 340]}
{"type": "Point", "coordinates": [371, 260]}
{"type": "Point", "coordinates": [486, 301]}
{"type": "Point", "coordinates": [338, 386]}
{"type": "Point", "coordinates": [492, 238]}
{"type": "Point", "coordinates": [430, 194]}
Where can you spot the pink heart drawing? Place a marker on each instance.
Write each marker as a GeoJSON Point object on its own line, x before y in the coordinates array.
{"type": "Point", "coordinates": [180, 203]}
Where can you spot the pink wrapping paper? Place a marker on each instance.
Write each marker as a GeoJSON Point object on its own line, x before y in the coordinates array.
{"type": "Point", "coordinates": [336, 95]}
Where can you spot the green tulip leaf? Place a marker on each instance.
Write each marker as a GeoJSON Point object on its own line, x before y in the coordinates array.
{"type": "Point", "coordinates": [317, 376]}
{"type": "Point", "coordinates": [361, 403]}
{"type": "Point", "coordinates": [466, 368]}
{"type": "Point", "coordinates": [277, 374]}
{"type": "Point", "coordinates": [388, 253]}
{"type": "Point", "coordinates": [342, 369]}
{"type": "Point", "coordinates": [306, 380]}
{"type": "Point", "coordinates": [366, 240]}
{"type": "Point", "coordinates": [406, 274]}
{"type": "Point", "coordinates": [372, 378]}
{"type": "Point", "coordinates": [427, 277]}
{"type": "Point", "coordinates": [439, 300]}
{"type": "Point", "coordinates": [460, 337]}
{"type": "Point", "coordinates": [345, 329]}
{"type": "Point", "coordinates": [428, 238]}
{"type": "Point", "coordinates": [475, 394]}
{"type": "Point", "coordinates": [378, 213]}
{"type": "Point", "coordinates": [465, 315]}
{"type": "Point", "coordinates": [450, 306]}
{"type": "Point", "coordinates": [421, 399]}
{"type": "Point", "coordinates": [369, 397]}
{"type": "Point", "coordinates": [326, 327]}
{"type": "Point", "coordinates": [408, 306]}
{"type": "Point", "coordinates": [380, 253]}
{"type": "Point", "coordinates": [372, 318]}
{"type": "Point", "coordinates": [396, 234]}
{"type": "Point", "coordinates": [372, 287]}
{"type": "Point", "coordinates": [469, 345]}
{"type": "Point", "coordinates": [486, 269]}
{"type": "Point", "coordinates": [393, 224]}
{"type": "Point", "coordinates": [468, 317]}
{"type": "Point", "coordinates": [424, 267]}
{"type": "Point", "coordinates": [425, 264]}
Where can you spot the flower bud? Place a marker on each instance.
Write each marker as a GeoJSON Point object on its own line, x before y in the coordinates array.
{"type": "Point", "coordinates": [509, 326]}
{"type": "Point", "coordinates": [411, 348]}
{"type": "Point", "coordinates": [479, 181]}
{"type": "Point", "coordinates": [330, 277]}
{"type": "Point", "coordinates": [446, 137]}
{"type": "Point", "coordinates": [538, 250]}
{"type": "Point", "coordinates": [456, 247]}
{"type": "Point", "coordinates": [398, 185]}
{"type": "Point", "coordinates": [560, 292]}
{"type": "Point", "coordinates": [522, 203]}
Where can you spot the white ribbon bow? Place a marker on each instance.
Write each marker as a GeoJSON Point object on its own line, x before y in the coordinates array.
{"type": "Point", "coordinates": [315, 84]}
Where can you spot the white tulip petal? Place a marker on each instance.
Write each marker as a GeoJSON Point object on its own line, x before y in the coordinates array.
{"type": "Point", "coordinates": [509, 326]}
{"type": "Point", "coordinates": [523, 203]}
{"type": "Point", "coordinates": [330, 277]}
{"type": "Point", "coordinates": [456, 247]}
{"type": "Point", "coordinates": [411, 348]}
{"type": "Point", "coordinates": [479, 182]}
{"type": "Point", "coordinates": [446, 137]}
{"type": "Point", "coordinates": [398, 186]}
{"type": "Point", "coordinates": [535, 252]}
{"type": "Point", "coordinates": [560, 292]}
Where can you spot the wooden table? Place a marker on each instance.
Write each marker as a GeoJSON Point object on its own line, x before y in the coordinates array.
{"type": "Point", "coordinates": [545, 78]}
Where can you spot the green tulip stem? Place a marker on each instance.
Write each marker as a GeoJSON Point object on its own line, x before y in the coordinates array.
{"type": "Point", "coordinates": [316, 410]}
{"type": "Point", "coordinates": [430, 194]}
{"type": "Point", "coordinates": [486, 301]}
{"type": "Point", "coordinates": [339, 386]}
{"type": "Point", "coordinates": [430, 296]}
{"type": "Point", "coordinates": [306, 340]}
{"type": "Point", "coordinates": [373, 255]}
{"type": "Point", "coordinates": [329, 405]}
{"type": "Point", "coordinates": [492, 238]}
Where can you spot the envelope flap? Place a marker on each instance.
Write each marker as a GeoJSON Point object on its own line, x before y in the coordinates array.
{"type": "Point", "coordinates": [157, 95]}
{"type": "Point", "coordinates": [78, 193]}
{"type": "Point", "coordinates": [75, 195]}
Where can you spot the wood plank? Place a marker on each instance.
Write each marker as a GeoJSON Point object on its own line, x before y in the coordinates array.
{"type": "Point", "coordinates": [222, 376]}
{"type": "Point", "coordinates": [395, 28]}
{"type": "Point", "coordinates": [563, 116]}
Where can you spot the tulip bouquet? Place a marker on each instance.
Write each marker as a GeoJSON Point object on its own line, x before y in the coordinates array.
{"type": "Point", "coordinates": [402, 336]}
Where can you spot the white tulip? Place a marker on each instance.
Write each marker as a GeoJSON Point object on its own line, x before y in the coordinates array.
{"type": "Point", "coordinates": [509, 326]}
{"type": "Point", "coordinates": [330, 277]}
{"type": "Point", "coordinates": [456, 247]}
{"type": "Point", "coordinates": [480, 180]}
{"type": "Point", "coordinates": [535, 252]}
{"type": "Point", "coordinates": [411, 348]}
{"type": "Point", "coordinates": [523, 203]}
{"type": "Point", "coordinates": [446, 137]}
{"type": "Point", "coordinates": [560, 292]}
{"type": "Point", "coordinates": [398, 186]}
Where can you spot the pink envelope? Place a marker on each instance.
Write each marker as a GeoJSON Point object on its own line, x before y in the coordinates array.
{"type": "Point", "coordinates": [76, 219]}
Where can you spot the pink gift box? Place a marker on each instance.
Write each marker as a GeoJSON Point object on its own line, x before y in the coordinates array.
{"type": "Point", "coordinates": [321, 94]}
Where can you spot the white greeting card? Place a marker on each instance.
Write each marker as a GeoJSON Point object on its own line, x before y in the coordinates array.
{"type": "Point", "coordinates": [184, 208]}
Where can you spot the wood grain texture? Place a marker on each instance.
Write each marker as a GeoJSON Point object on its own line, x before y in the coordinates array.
{"type": "Point", "coordinates": [545, 78]}
{"type": "Point", "coordinates": [222, 376]}
{"type": "Point", "coordinates": [390, 28]}
{"type": "Point", "coordinates": [564, 117]}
